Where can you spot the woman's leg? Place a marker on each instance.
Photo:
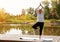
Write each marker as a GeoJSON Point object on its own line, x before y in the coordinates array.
{"type": "Point", "coordinates": [35, 25]}
{"type": "Point", "coordinates": [41, 27]}
{"type": "Point", "coordinates": [36, 30]}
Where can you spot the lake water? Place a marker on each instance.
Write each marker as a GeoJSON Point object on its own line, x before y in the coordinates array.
{"type": "Point", "coordinates": [26, 29]}
{"type": "Point", "coordinates": [15, 29]}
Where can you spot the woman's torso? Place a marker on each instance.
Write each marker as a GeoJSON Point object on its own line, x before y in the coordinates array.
{"type": "Point", "coordinates": [40, 17]}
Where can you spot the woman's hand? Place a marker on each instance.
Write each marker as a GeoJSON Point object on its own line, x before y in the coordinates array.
{"type": "Point", "coordinates": [40, 4]}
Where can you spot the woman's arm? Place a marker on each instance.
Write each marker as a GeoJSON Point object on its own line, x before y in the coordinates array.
{"type": "Point", "coordinates": [41, 6]}
{"type": "Point", "coordinates": [37, 7]}
{"type": "Point", "coordinates": [36, 10]}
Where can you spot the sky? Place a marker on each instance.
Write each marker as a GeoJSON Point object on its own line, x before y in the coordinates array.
{"type": "Point", "coordinates": [15, 6]}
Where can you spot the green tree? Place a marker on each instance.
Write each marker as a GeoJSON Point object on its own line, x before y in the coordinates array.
{"type": "Point", "coordinates": [56, 7]}
{"type": "Point", "coordinates": [47, 12]}
{"type": "Point", "coordinates": [30, 17]}
{"type": "Point", "coordinates": [46, 3]}
{"type": "Point", "coordinates": [58, 10]}
{"type": "Point", "coordinates": [30, 10]}
{"type": "Point", "coordinates": [54, 3]}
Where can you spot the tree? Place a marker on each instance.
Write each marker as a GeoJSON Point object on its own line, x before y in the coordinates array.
{"type": "Point", "coordinates": [23, 12]}
{"type": "Point", "coordinates": [2, 15]}
{"type": "Point", "coordinates": [58, 10]}
{"type": "Point", "coordinates": [46, 3]}
{"type": "Point", "coordinates": [30, 10]}
{"type": "Point", "coordinates": [56, 6]}
{"type": "Point", "coordinates": [54, 3]}
{"type": "Point", "coordinates": [47, 12]}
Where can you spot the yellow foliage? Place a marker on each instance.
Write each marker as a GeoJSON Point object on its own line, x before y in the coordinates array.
{"type": "Point", "coordinates": [2, 17]}
{"type": "Point", "coordinates": [23, 16]}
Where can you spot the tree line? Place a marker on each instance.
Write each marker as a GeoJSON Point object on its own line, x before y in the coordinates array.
{"type": "Point", "coordinates": [31, 14]}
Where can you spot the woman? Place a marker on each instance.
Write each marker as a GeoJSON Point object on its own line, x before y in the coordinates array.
{"type": "Point", "coordinates": [40, 19]}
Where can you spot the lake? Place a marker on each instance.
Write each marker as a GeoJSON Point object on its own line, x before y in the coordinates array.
{"type": "Point", "coordinates": [15, 29]}
{"type": "Point", "coordinates": [26, 29]}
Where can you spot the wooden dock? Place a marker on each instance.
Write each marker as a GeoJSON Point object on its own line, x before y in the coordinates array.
{"type": "Point", "coordinates": [28, 38]}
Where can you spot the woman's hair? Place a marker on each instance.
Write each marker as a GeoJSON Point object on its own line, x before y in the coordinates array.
{"type": "Point", "coordinates": [40, 11]}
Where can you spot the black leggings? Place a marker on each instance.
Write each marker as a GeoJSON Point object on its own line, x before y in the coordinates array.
{"type": "Point", "coordinates": [40, 24]}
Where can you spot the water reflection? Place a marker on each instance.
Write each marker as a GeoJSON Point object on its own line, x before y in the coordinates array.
{"type": "Point", "coordinates": [14, 31]}
{"type": "Point", "coordinates": [26, 29]}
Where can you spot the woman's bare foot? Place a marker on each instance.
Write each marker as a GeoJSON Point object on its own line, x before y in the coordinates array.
{"type": "Point", "coordinates": [39, 37]}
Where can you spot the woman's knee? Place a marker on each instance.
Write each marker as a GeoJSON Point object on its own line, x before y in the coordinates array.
{"type": "Point", "coordinates": [34, 27]}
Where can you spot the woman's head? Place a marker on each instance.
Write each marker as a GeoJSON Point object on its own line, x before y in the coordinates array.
{"type": "Point", "coordinates": [40, 11]}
